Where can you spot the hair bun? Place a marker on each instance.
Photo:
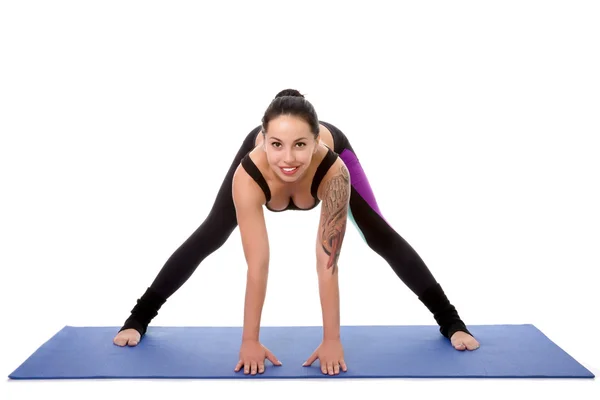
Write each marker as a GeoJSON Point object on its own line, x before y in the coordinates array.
{"type": "Point", "coordinates": [289, 92]}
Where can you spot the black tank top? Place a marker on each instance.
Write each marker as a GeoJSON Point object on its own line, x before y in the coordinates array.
{"type": "Point", "coordinates": [322, 169]}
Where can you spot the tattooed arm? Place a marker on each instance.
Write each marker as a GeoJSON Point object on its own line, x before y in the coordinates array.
{"type": "Point", "coordinates": [335, 195]}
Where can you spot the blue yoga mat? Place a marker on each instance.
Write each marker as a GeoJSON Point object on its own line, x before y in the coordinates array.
{"type": "Point", "coordinates": [413, 351]}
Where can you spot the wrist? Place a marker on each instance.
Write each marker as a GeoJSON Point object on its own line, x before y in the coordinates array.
{"type": "Point", "coordinates": [250, 338]}
{"type": "Point", "coordinates": [251, 334]}
{"type": "Point", "coordinates": [333, 334]}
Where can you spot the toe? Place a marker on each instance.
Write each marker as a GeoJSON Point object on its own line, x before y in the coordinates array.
{"type": "Point", "coordinates": [459, 346]}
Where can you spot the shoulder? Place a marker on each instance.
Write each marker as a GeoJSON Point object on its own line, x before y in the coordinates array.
{"type": "Point", "coordinates": [336, 181]}
{"type": "Point", "coordinates": [245, 192]}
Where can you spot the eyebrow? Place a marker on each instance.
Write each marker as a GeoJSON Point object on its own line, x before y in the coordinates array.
{"type": "Point", "coordinates": [297, 140]}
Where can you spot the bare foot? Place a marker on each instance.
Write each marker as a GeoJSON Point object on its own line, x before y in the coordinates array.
{"type": "Point", "coordinates": [463, 341]}
{"type": "Point", "coordinates": [129, 337]}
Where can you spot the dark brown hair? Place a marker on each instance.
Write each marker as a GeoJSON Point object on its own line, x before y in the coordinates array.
{"type": "Point", "coordinates": [291, 102]}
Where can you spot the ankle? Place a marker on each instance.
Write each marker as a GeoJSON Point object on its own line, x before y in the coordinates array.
{"type": "Point", "coordinates": [443, 311]}
{"type": "Point", "coordinates": [144, 311]}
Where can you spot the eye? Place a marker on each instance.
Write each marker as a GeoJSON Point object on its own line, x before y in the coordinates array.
{"type": "Point", "coordinates": [301, 144]}
{"type": "Point", "coordinates": [275, 144]}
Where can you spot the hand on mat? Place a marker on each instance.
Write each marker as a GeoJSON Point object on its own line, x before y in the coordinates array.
{"type": "Point", "coordinates": [129, 337]}
{"type": "Point", "coordinates": [252, 357]}
{"type": "Point", "coordinates": [331, 357]}
{"type": "Point", "coordinates": [462, 340]}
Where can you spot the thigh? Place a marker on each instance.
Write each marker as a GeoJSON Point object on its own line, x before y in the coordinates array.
{"type": "Point", "coordinates": [224, 198]}
{"type": "Point", "coordinates": [358, 178]}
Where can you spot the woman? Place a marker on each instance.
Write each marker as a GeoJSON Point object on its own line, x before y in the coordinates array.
{"type": "Point", "coordinates": [293, 161]}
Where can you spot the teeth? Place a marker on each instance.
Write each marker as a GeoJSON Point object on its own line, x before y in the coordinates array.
{"type": "Point", "coordinates": [289, 169]}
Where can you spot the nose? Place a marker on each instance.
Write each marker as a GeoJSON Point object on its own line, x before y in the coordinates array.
{"type": "Point", "coordinates": [289, 156]}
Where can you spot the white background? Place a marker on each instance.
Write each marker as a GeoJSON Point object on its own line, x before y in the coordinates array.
{"type": "Point", "coordinates": [476, 122]}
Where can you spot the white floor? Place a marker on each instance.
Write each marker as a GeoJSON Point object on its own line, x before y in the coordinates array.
{"type": "Point", "coordinates": [294, 389]}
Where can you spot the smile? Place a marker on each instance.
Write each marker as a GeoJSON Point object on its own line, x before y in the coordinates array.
{"type": "Point", "coordinates": [289, 171]}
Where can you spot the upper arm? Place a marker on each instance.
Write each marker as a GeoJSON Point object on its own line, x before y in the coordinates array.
{"type": "Point", "coordinates": [248, 199]}
{"type": "Point", "coordinates": [334, 192]}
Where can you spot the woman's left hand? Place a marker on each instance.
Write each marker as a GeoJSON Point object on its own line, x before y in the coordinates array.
{"type": "Point", "coordinates": [331, 357]}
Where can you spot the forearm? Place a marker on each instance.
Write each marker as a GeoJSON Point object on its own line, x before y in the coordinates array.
{"type": "Point", "coordinates": [330, 302]}
{"type": "Point", "coordinates": [332, 229]}
{"type": "Point", "coordinates": [256, 288]}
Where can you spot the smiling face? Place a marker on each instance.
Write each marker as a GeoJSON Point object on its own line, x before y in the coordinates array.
{"type": "Point", "coordinates": [290, 146]}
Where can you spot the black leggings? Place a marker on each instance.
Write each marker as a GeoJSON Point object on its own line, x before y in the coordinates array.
{"type": "Point", "coordinates": [210, 235]}
{"type": "Point", "coordinates": [364, 213]}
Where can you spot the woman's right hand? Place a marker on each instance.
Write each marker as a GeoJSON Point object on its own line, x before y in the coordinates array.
{"type": "Point", "coordinates": [252, 357]}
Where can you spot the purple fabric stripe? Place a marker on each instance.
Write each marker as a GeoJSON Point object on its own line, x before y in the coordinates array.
{"type": "Point", "coordinates": [359, 180]}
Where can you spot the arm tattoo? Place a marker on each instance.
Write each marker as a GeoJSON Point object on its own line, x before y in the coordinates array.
{"type": "Point", "coordinates": [334, 216]}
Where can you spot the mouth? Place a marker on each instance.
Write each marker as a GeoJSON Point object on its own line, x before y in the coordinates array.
{"type": "Point", "coordinates": [289, 171]}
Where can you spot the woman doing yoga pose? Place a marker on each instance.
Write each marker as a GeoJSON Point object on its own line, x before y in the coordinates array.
{"type": "Point", "coordinates": [294, 161]}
